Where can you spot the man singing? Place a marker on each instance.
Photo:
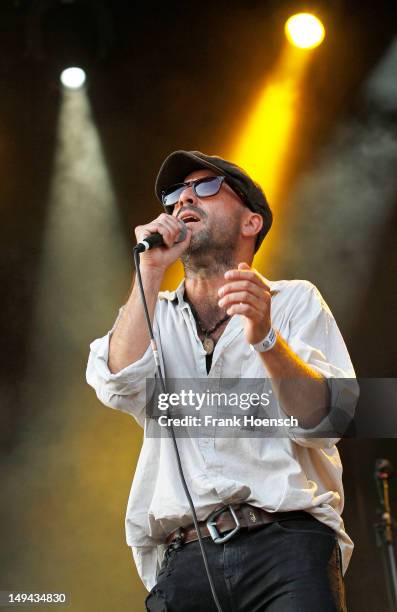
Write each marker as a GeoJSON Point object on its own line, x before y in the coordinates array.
{"type": "Point", "coordinates": [225, 320]}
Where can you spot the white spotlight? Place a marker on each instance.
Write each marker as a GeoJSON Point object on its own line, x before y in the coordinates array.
{"type": "Point", "coordinates": [73, 78]}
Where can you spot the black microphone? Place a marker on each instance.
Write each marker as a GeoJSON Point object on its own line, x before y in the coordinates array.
{"type": "Point", "coordinates": [156, 239]}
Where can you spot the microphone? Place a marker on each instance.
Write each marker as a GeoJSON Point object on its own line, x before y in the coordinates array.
{"type": "Point", "coordinates": [156, 240]}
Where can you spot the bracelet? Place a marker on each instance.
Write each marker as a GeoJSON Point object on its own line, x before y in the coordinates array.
{"type": "Point", "coordinates": [267, 343]}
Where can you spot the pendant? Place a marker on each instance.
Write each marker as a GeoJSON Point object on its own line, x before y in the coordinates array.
{"type": "Point", "coordinates": [208, 345]}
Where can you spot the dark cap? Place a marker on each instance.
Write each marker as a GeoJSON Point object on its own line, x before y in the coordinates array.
{"type": "Point", "coordinates": [179, 164]}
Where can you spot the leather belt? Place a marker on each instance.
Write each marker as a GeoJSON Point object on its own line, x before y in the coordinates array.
{"type": "Point", "coordinates": [231, 519]}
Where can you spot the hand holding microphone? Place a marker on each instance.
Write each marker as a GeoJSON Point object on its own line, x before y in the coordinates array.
{"type": "Point", "coordinates": [155, 240]}
{"type": "Point", "coordinates": [171, 237]}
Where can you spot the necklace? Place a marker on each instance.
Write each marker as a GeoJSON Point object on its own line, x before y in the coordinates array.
{"type": "Point", "coordinates": [208, 342]}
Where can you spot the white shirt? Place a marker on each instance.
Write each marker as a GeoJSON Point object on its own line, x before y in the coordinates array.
{"type": "Point", "coordinates": [277, 474]}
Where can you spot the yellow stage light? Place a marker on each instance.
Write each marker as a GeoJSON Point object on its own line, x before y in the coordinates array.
{"type": "Point", "coordinates": [304, 31]}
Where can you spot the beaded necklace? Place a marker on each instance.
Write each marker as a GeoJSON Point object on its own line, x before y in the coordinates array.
{"type": "Point", "coordinates": [208, 342]}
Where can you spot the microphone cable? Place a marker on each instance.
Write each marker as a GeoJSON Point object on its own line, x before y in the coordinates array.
{"type": "Point", "coordinates": [171, 428]}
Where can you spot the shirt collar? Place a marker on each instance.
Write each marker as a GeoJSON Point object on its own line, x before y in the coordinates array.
{"type": "Point", "coordinates": [176, 296]}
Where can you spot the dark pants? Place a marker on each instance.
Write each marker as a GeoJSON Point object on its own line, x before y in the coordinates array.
{"type": "Point", "coordinates": [292, 565]}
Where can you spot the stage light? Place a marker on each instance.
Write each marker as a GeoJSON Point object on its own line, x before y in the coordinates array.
{"type": "Point", "coordinates": [73, 78]}
{"type": "Point", "coordinates": [304, 31]}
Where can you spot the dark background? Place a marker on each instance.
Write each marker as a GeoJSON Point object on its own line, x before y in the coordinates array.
{"type": "Point", "coordinates": [160, 77]}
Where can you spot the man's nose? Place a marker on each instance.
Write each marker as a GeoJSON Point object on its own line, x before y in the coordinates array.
{"type": "Point", "coordinates": [187, 197]}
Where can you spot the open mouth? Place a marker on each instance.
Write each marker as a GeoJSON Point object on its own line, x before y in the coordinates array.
{"type": "Point", "coordinates": [190, 218]}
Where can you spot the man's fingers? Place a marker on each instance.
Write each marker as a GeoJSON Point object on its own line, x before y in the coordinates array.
{"type": "Point", "coordinates": [143, 231]}
{"type": "Point", "coordinates": [249, 274]}
{"type": "Point", "coordinates": [165, 225]}
{"type": "Point", "coordinates": [243, 285]}
{"type": "Point", "coordinates": [243, 309]}
{"type": "Point", "coordinates": [243, 297]}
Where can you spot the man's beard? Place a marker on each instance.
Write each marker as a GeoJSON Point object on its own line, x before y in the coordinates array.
{"type": "Point", "coordinates": [212, 248]}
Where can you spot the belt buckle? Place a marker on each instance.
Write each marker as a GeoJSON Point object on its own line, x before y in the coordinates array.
{"type": "Point", "coordinates": [211, 525]}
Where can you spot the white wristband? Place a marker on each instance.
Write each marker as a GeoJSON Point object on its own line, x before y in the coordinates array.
{"type": "Point", "coordinates": [267, 343]}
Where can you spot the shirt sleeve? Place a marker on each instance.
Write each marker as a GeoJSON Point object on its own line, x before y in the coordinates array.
{"type": "Point", "coordinates": [146, 561]}
{"type": "Point", "coordinates": [315, 337]}
{"type": "Point", "coordinates": [128, 390]}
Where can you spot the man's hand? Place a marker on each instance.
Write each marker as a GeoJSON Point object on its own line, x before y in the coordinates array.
{"type": "Point", "coordinates": [246, 293]}
{"type": "Point", "coordinates": [301, 390]}
{"type": "Point", "coordinates": [162, 257]}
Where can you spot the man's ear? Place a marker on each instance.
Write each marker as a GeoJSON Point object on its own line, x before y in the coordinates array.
{"type": "Point", "coordinates": [252, 224]}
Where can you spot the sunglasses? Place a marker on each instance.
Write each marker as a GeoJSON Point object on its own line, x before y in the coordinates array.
{"type": "Point", "coordinates": [203, 188]}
